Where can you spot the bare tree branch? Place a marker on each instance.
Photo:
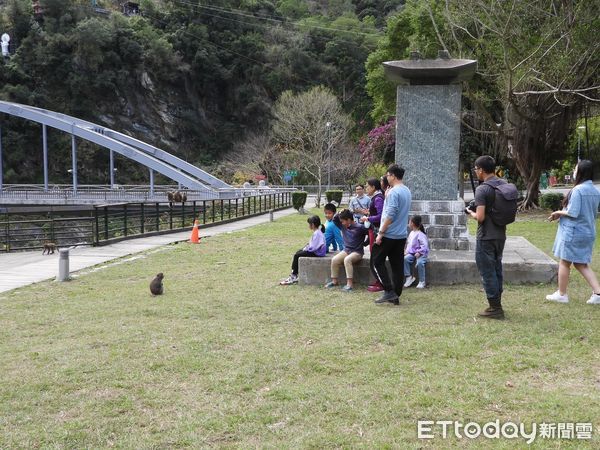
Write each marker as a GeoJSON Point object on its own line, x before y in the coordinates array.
{"type": "Point", "coordinates": [435, 27]}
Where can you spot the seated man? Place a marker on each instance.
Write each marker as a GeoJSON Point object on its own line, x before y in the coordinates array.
{"type": "Point", "coordinates": [359, 204]}
{"type": "Point", "coordinates": [354, 237]}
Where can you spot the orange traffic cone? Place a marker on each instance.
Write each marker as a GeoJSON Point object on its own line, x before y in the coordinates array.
{"type": "Point", "coordinates": [194, 238]}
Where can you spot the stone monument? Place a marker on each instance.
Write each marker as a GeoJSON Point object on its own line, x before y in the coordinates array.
{"type": "Point", "coordinates": [427, 144]}
{"type": "Point", "coordinates": [428, 140]}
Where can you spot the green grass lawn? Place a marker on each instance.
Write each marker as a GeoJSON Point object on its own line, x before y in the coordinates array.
{"type": "Point", "coordinates": [228, 358]}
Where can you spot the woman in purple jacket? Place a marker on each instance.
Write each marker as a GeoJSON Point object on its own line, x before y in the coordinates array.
{"type": "Point", "coordinates": [316, 247]}
{"type": "Point", "coordinates": [374, 218]}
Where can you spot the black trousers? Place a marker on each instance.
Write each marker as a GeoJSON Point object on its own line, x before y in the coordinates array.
{"type": "Point", "coordinates": [394, 250]}
{"type": "Point", "coordinates": [299, 254]}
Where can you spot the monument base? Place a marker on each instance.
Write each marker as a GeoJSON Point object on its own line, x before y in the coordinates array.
{"type": "Point", "coordinates": [445, 222]}
{"type": "Point", "coordinates": [523, 263]}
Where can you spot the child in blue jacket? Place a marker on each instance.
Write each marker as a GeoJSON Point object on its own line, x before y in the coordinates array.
{"type": "Point", "coordinates": [333, 234]}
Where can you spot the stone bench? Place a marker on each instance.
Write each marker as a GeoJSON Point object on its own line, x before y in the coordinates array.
{"type": "Point", "coordinates": [523, 263]}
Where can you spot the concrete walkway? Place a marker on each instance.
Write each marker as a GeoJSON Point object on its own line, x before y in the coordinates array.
{"type": "Point", "coordinates": [23, 268]}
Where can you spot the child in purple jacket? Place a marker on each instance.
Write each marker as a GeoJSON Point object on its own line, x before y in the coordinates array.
{"type": "Point", "coordinates": [417, 250]}
{"type": "Point", "coordinates": [316, 247]}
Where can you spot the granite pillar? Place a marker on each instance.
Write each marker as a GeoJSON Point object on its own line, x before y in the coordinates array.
{"type": "Point", "coordinates": [428, 141]}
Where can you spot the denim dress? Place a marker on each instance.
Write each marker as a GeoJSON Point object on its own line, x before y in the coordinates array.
{"type": "Point", "coordinates": [577, 230]}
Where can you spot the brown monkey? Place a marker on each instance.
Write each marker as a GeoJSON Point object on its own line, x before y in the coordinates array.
{"type": "Point", "coordinates": [156, 286]}
{"type": "Point", "coordinates": [176, 196]}
{"type": "Point", "coordinates": [49, 248]}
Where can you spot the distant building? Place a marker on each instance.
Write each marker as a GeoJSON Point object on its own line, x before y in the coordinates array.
{"type": "Point", "coordinates": [130, 8]}
{"type": "Point", "coordinates": [38, 11]}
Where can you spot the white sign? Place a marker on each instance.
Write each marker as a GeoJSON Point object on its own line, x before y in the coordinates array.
{"type": "Point", "coordinates": [5, 40]}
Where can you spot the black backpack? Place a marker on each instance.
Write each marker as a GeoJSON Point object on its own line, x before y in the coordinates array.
{"type": "Point", "coordinates": [504, 208]}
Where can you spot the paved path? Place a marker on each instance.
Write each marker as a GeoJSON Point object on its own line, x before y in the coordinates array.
{"type": "Point", "coordinates": [23, 268]}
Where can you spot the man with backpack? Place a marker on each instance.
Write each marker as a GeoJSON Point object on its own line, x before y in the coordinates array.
{"type": "Point", "coordinates": [495, 207]}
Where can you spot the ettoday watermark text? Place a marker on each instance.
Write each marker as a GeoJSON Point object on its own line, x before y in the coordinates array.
{"type": "Point", "coordinates": [444, 429]}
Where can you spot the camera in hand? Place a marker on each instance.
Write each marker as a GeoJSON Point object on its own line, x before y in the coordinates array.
{"type": "Point", "coordinates": [471, 207]}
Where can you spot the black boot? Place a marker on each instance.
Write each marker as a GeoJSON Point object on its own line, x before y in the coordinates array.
{"type": "Point", "coordinates": [495, 310]}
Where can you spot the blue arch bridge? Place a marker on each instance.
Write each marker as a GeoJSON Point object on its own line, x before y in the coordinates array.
{"type": "Point", "coordinates": [115, 211]}
{"type": "Point", "coordinates": [198, 184]}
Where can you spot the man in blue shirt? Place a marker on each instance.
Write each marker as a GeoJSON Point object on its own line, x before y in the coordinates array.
{"type": "Point", "coordinates": [391, 239]}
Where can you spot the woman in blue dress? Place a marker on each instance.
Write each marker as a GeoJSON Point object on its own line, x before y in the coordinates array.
{"type": "Point", "coordinates": [576, 234]}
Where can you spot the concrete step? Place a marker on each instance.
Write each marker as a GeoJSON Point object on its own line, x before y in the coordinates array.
{"type": "Point", "coordinates": [523, 263]}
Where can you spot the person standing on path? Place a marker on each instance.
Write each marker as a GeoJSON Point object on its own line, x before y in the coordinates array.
{"type": "Point", "coordinates": [391, 238]}
{"type": "Point", "coordinates": [490, 239]}
{"type": "Point", "coordinates": [576, 234]}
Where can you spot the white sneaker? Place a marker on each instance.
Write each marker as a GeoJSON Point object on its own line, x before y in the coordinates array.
{"type": "Point", "coordinates": [292, 279]}
{"type": "Point", "coordinates": [421, 285]}
{"type": "Point", "coordinates": [594, 300]}
{"type": "Point", "coordinates": [556, 297]}
{"type": "Point", "coordinates": [409, 281]}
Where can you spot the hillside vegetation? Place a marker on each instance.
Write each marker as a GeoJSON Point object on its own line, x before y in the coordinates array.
{"type": "Point", "coordinates": [191, 78]}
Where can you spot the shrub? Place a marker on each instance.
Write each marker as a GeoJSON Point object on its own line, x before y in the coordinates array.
{"type": "Point", "coordinates": [299, 199]}
{"type": "Point", "coordinates": [551, 200]}
{"type": "Point", "coordinates": [379, 144]}
{"type": "Point", "coordinates": [334, 195]}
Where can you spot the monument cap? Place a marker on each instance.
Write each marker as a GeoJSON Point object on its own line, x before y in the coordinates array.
{"type": "Point", "coordinates": [443, 70]}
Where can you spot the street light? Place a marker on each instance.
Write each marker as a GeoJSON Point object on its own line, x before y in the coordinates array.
{"type": "Point", "coordinates": [580, 127]}
{"type": "Point", "coordinates": [328, 125]}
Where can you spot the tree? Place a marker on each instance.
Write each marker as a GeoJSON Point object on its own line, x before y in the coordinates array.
{"type": "Point", "coordinates": [539, 60]}
{"type": "Point", "coordinates": [379, 144]}
{"type": "Point", "coordinates": [258, 154]}
{"type": "Point", "coordinates": [311, 127]}
{"type": "Point", "coordinates": [537, 66]}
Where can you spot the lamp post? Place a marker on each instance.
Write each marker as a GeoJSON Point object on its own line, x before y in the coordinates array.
{"type": "Point", "coordinates": [328, 125]}
{"type": "Point", "coordinates": [580, 127]}
{"type": "Point", "coordinates": [1, 169]}
{"type": "Point", "coordinates": [111, 165]}
{"type": "Point", "coordinates": [74, 162]}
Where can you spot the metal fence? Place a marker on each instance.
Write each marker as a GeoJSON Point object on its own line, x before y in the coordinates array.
{"type": "Point", "coordinates": [90, 194]}
{"type": "Point", "coordinates": [18, 232]}
{"type": "Point", "coordinates": [107, 223]}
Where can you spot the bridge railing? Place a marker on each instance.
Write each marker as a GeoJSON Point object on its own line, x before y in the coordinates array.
{"type": "Point", "coordinates": [120, 193]}
{"type": "Point", "coordinates": [113, 222]}
{"type": "Point", "coordinates": [118, 221]}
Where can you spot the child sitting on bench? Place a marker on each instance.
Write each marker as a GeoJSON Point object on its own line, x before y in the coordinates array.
{"type": "Point", "coordinates": [354, 238]}
{"type": "Point", "coordinates": [417, 250]}
{"type": "Point", "coordinates": [316, 247]}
